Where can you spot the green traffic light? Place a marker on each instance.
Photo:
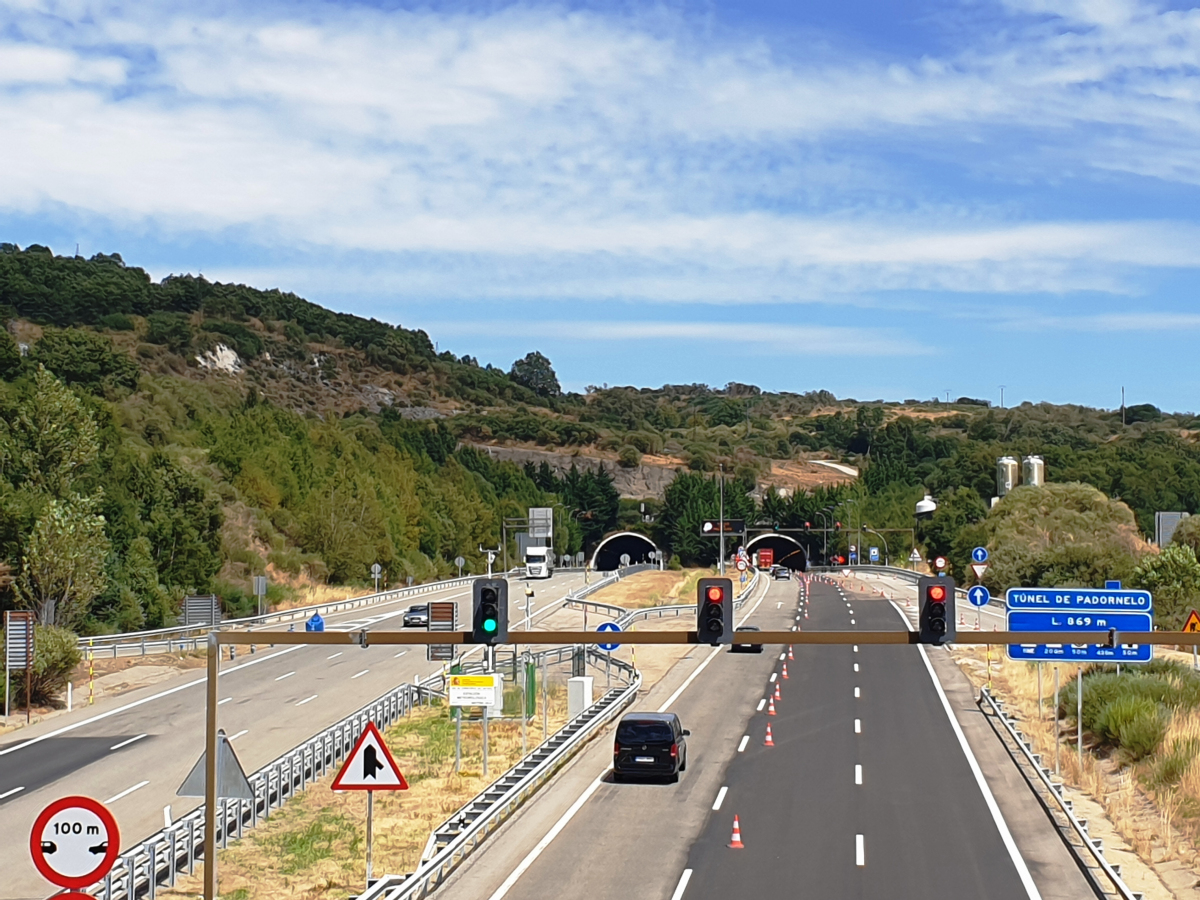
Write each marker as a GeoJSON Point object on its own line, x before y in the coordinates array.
{"type": "Point", "coordinates": [489, 625]}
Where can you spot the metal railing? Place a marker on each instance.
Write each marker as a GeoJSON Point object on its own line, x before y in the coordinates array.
{"type": "Point", "coordinates": [485, 813]}
{"type": "Point", "coordinates": [160, 858]}
{"type": "Point", "coordinates": [1063, 812]}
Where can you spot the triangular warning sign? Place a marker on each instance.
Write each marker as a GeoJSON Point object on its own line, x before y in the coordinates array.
{"type": "Point", "coordinates": [370, 766]}
{"type": "Point", "coordinates": [232, 783]}
{"type": "Point", "coordinates": [979, 569]}
{"type": "Point", "coordinates": [1192, 625]}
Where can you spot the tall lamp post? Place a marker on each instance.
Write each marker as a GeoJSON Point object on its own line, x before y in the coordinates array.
{"type": "Point", "coordinates": [721, 546]}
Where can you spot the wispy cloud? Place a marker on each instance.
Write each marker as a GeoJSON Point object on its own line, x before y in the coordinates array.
{"type": "Point", "coordinates": [660, 163]}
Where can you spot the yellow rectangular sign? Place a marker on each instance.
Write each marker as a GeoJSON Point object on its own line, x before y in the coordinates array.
{"type": "Point", "coordinates": [473, 681]}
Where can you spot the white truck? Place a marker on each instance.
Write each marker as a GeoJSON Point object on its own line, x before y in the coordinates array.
{"type": "Point", "coordinates": [539, 562]}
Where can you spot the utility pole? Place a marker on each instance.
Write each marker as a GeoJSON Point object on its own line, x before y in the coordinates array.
{"type": "Point", "coordinates": [1002, 396]}
{"type": "Point", "coordinates": [1122, 406]}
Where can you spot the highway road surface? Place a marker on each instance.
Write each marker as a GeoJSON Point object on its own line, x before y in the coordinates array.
{"type": "Point", "coordinates": [132, 752]}
{"type": "Point", "coordinates": [870, 790]}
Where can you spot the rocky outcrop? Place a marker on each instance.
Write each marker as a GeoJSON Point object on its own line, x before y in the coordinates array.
{"type": "Point", "coordinates": [639, 482]}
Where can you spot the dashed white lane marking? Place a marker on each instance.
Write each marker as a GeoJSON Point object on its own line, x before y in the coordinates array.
{"type": "Point", "coordinates": [858, 774]}
{"type": "Point", "coordinates": [360, 674]}
{"type": "Point", "coordinates": [126, 743]}
{"type": "Point", "coordinates": [779, 604]}
{"type": "Point", "coordinates": [15, 790]}
{"type": "Point", "coordinates": [240, 733]}
{"type": "Point", "coordinates": [335, 656]}
{"type": "Point", "coordinates": [400, 654]}
{"type": "Point", "coordinates": [858, 726]}
{"type": "Point", "coordinates": [682, 886]}
{"type": "Point", "coordinates": [772, 677]}
{"type": "Point", "coordinates": [720, 798]}
{"type": "Point", "coordinates": [856, 648]}
{"type": "Point", "coordinates": [288, 675]}
{"type": "Point", "coordinates": [795, 628]}
{"type": "Point", "coordinates": [852, 622]}
{"type": "Point", "coordinates": [307, 700]}
{"type": "Point", "coordinates": [126, 792]}
{"type": "Point", "coordinates": [783, 656]}
{"type": "Point", "coordinates": [857, 693]}
{"type": "Point", "coordinates": [860, 857]}
{"type": "Point", "coordinates": [761, 704]}
{"type": "Point", "coordinates": [856, 667]}
{"type": "Point", "coordinates": [223, 702]}
{"type": "Point", "coordinates": [745, 741]}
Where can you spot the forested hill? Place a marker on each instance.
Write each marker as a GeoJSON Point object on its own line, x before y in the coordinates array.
{"type": "Point", "coordinates": [184, 435]}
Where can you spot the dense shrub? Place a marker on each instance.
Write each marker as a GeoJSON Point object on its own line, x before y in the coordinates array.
{"type": "Point", "coordinates": [55, 656]}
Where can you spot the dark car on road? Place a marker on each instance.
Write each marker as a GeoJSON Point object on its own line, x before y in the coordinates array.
{"type": "Point", "coordinates": [740, 646]}
{"type": "Point", "coordinates": [649, 745]}
{"type": "Point", "coordinates": [417, 616]}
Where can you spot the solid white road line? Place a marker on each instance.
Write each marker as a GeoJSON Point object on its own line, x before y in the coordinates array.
{"type": "Point", "coordinates": [858, 726]}
{"type": "Point", "coordinates": [307, 700]}
{"type": "Point", "coordinates": [126, 743]}
{"type": "Point", "coordinates": [335, 656]}
{"type": "Point", "coordinates": [745, 741]}
{"type": "Point", "coordinates": [126, 792]}
{"type": "Point", "coordinates": [682, 886]}
{"type": "Point", "coordinates": [761, 704]}
{"type": "Point", "coordinates": [288, 675]}
{"type": "Point", "coordinates": [143, 701]}
{"type": "Point", "coordinates": [15, 790]}
{"type": "Point", "coordinates": [720, 798]}
{"type": "Point", "coordinates": [860, 857]}
{"type": "Point", "coordinates": [239, 734]}
{"type": "Point", "coordinates": [583, 798]}
{"type": "Point", "coordinates": [223, 702]}
{"type": "Point", "coordinates": [360, 674]}
{"type": "Point", "coordinates": [858, 774]}
{"type": "Point", "coordinates": [857, 693]}
{"type": "Point", "coordinates": [1005, 835]}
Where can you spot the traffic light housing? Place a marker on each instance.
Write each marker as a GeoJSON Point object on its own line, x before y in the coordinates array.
{"type": "Point", "coordinates": [936, 596]}
{"type": "Point", "coordinates": [489, 619]}
{"type": "Point", "coordinates": [714, 611]}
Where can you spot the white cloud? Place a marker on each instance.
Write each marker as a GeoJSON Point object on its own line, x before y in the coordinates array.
{"type": "Point", "coordinates": [538, 134]}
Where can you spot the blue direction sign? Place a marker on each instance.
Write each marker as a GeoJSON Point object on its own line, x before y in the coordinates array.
{"type": "Point", "coordinates": [1079, 609]}
{"type": "Point", "coordinates": [979, 595]}
{"type": "Point", "coordinates": [609, 626]}
{"type": "Point", "coordinates": [979, 555]}
{"type": "Point", "coordinates": [874, 552]}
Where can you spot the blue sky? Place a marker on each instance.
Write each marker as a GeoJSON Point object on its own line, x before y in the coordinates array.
{"type": "Point", "coordinates": [881, 199]}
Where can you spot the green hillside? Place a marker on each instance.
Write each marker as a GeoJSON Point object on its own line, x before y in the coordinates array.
{"type": "Point", "coordinates": [184, 435]}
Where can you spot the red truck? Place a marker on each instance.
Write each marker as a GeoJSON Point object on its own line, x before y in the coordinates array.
{"type": "Point", "coordinates": [766, 558]}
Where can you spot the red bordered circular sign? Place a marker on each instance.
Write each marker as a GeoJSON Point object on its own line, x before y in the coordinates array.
{"type": "Point", "coordinates": [74, 842]}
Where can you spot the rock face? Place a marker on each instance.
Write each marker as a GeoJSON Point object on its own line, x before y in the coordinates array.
{"type": "Point", "coordinates": [221, 358]}
{"type": "Point", "coordinates": [639, 482]}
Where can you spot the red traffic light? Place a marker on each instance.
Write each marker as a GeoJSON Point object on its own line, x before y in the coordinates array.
{"type": "Point", "coordinates": [937, 594]}
{"type": "Point", "coordinates": [715, 594]}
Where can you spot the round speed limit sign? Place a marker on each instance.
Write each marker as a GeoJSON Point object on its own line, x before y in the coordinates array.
{"type": "Point", "coordinates": [74, 842]}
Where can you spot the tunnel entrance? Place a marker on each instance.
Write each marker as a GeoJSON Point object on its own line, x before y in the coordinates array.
{"type": "Point", "coordinates": [788, 551]}
{"type": "Point", "coordinates": [609, 551]}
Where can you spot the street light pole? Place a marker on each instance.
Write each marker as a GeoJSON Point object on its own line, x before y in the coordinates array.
{"type": "Point", "coordinates": [721, 549]}
{"type": "Point", "coordinates": [886, 553]}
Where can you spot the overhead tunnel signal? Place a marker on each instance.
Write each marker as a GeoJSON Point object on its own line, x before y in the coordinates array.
{"type": "Point", "coordinates": [936, 598]}
{"type": "Point", "coordinates": [489, 619]}
{"type": "Point", "coordinates": [714, 611]}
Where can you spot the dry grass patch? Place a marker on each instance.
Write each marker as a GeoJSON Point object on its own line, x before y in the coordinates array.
{"type": "Point", "coordinates": [316, 846]}
{"type": "Point", "coordinates": [652, 589]}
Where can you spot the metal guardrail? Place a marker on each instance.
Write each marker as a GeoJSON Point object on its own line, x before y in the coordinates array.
{"type": "Point", "coordinates": [1074, 826]}
{"type": "Point", "coordinates": [524, 782]}
{"type": "Point", "coordinates": [160, 858]}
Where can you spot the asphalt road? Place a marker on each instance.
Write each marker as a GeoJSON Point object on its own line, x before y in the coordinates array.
{"type": "Point", "coordinates": [866, 793]}
{"type": "Point", "coordinates": [134, 751]}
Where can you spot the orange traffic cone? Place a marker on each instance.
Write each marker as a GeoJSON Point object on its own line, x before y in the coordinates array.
{"type": "Point", "coordinates": [777, 695]}
{"type": "Point", "coordinates": [790, 652]}
{"type": "Point", "coordinates": [771, 707]}
{"type": "Point", "coordinates": [736, 842]}
{"type": "Point", "coordinates": [785, 674]}
{"type": "Point", "coordinates": [769, 742]}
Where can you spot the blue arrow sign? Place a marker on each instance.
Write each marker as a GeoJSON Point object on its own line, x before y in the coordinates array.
{"type": "Point", "coordinates": [979, 595]}
{"type": "Point", "coordinates": [1081, 599]}
{"type": "Point", "coordinates": [979, 555]}
{"type": "Point", "coordinates": [1080, 620]}
{"type": "Point", "coordinates": [609, 626]}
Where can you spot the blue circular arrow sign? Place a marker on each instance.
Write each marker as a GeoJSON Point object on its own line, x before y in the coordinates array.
{"type": "Point", "coordinates": [979, 555]}
{"type": "Point", "coordinates": [979, 595]}
{"type": "Point", "coordinates": [609, 626]}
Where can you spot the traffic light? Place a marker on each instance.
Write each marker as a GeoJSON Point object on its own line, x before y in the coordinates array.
{"type": "Point", "coordinates": [489, 623]}
{"type": "Point", "coordinates": [937, 609]}
{"type": "Point", "coordinates": [714, 611]}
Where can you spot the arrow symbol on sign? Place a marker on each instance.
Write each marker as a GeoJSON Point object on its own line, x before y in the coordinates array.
{"type": "Point", "coordinates": [371, 763]}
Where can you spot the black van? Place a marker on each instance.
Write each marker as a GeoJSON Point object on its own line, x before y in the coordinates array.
{"type": "Point", "coordinates": [649, 744]}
